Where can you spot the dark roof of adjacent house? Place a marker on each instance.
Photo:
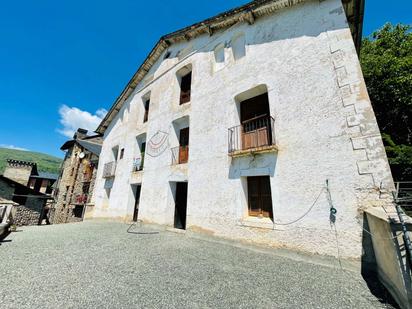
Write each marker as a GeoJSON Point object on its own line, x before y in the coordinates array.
{"type": "Point", "coordinates": [246, 13]}
{"type": "Point", "coordinates": [45, 175]}
{"type": "Point", "coordinates": [19, 186]}
{"type": "Point", "coordinates": [90, 143]}
{"type": "Point", "coordinates": [20, 162]}
{"type": "Point", "coordinates": [91, 146]}
{"type": "Point", "coordinates": [24, 163]}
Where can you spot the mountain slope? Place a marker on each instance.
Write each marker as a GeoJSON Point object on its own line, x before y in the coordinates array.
{"type": "Point", "coordinates": [45, 163]}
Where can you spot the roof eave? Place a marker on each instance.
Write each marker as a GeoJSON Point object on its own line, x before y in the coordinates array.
{"type": "Point", "coordinates": [255, 9]}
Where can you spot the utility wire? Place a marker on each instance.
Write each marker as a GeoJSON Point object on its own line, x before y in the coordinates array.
{"type": "Point", "coordinates": [305, 214]}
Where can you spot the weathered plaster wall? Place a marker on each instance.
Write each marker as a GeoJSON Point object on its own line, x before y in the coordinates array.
{"type": "Point", "coordinates": [20, 174]}
{"type": "Point", "coordinates": [325, 129]}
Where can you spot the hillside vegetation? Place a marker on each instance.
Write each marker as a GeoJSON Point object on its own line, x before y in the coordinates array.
{"type": "Point", "coordinates": [45, 163]}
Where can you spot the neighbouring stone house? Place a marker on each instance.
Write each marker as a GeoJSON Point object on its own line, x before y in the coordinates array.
{"type": "Point", "coordinates": [75, 184]}
{"type": "Point", "coordinates": [30, 202]}
{"type": "Point", "coordinates": [253, 125]}
{"type": "Point", "coordinates": [26, 173]}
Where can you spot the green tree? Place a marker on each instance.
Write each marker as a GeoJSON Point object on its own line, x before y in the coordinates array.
{"type": "Point", "coordinates": [386, 59]}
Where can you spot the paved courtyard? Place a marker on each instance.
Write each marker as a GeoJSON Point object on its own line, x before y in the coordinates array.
{"type": "Point", "coordinates": [100, 265]}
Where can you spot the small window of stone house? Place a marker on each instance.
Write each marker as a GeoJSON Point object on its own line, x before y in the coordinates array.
{"type": "Point", "coordinates": [121, 154]}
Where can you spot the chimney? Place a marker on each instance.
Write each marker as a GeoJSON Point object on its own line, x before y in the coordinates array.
{"type": "Point", "coordinates": [80, 134]}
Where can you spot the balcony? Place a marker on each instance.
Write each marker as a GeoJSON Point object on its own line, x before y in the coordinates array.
{"type": "Point", "coordinates": [252, 136]}
{"type": "Point", "coordinates": [138, 163]}
{"type": "Point", "coordinates": [180, 155]}
{"type": "Point", "coordinates": [81, 199]}
{"type": "Point", "coordinates": [109, 169]}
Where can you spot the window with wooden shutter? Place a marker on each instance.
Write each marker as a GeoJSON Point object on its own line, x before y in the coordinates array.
{"type": "Point", "coordinates": [146, 110]}
{"type": "Point", "coordinates": [185, 88]}
{"type": "Point", "coordinates": [259, 197]}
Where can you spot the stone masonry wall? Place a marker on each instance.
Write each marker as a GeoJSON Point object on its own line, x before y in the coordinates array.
{"type": "Point", "coordinates": [29, 214]}
{"type": "Point", "coordinates": [73, 177]}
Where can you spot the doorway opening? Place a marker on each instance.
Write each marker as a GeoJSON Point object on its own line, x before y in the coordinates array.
{"type": "Point", "coordinates": [180, 205]}
{"type": "Point", "coordinates": [136, 189]}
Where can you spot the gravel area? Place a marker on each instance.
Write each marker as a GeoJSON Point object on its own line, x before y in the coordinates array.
{"type": "Point", "coordinates": [100, 265]}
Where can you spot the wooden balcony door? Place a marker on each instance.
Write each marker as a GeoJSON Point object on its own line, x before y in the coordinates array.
{"type": "Point", "coordinates": [184, 145]}
{"type": "Point", "coordinates": [254, 114]}
{"type": "Point", "coordinates": [259, 196]}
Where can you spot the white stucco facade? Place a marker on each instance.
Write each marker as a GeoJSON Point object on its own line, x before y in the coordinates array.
{"type": "Point", "coordinates": [325, 128]}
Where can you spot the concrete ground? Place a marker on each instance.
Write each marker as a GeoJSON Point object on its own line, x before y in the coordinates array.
{"type": "Point", "coordinates": [100, 265]}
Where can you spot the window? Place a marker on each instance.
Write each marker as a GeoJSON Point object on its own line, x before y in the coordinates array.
{"type": "Point", "coordinates": [185, 88]}
{"type": "Point", "coordinates": [121, 153]}
{"type": "Point", "coordinates": [138, 161]}
{"type": "Point", "coordinates": [146, 110]}
{"type": "Point", "coordinates": [115, 151]}
{"type": "Point", "coordinates": [78, 211]}
{"type": "Point", "coordinates": [167, 55]}
{"type": "Point", "coordinates": [219, 53]}
{"type": "Point", "coordinates": [108, 191]}
{"type": "Point", "coordinates": [259, 197]}
{"type": "Point", "coordinates": [238, 46]}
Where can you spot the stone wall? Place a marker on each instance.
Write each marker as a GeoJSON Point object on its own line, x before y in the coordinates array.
{"type": "Point", "coordinates": [18, 172]}
{"type": "Point", "coordinates": [29, 214]}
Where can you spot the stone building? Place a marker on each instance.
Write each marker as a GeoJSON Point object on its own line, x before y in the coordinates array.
{"type": "Point", "coordinates": [30, 202]}
{"type": "Point", "coordinates": [75, 184]}
{"type": "Point", "coordinates": [20, 171]}
{"type": "Point", "coordinates": [253, 125]}
{"type": "Point", "coordinates": [26, 173]}
{"type": "Point", "coordinates": [42, 182]}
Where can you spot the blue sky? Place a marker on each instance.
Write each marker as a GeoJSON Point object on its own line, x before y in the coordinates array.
{"type": "Point", "coordinates": [66, 61]}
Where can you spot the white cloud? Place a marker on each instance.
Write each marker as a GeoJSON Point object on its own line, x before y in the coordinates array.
{"type": "Point", "coordinates": [12, 147]}
{"type": "Point", "coordinates": [73, 118]}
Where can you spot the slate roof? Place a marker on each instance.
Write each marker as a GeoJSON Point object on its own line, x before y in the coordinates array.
{"type": "Point", "coordinates": [45, 175]}
{"type": "Point", "coordinates": [90, 143]}
{"type": "Point", "coordinates": [90, 146]}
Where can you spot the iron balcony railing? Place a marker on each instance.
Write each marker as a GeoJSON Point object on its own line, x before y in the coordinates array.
{"type": "Point", "coordinates": [180, 155]}
{"type": "Point", "coordinates": [138, 163]}
{"type": "Point", "coordinates": [403, 195]}
{"type": "Point", "coordinates": [109, 169]}
{"type": "Point", "coordinates": [251, 134]}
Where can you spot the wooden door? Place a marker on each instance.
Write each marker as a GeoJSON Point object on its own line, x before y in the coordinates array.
{"type": "Point", "coordinates": [259, 196]}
